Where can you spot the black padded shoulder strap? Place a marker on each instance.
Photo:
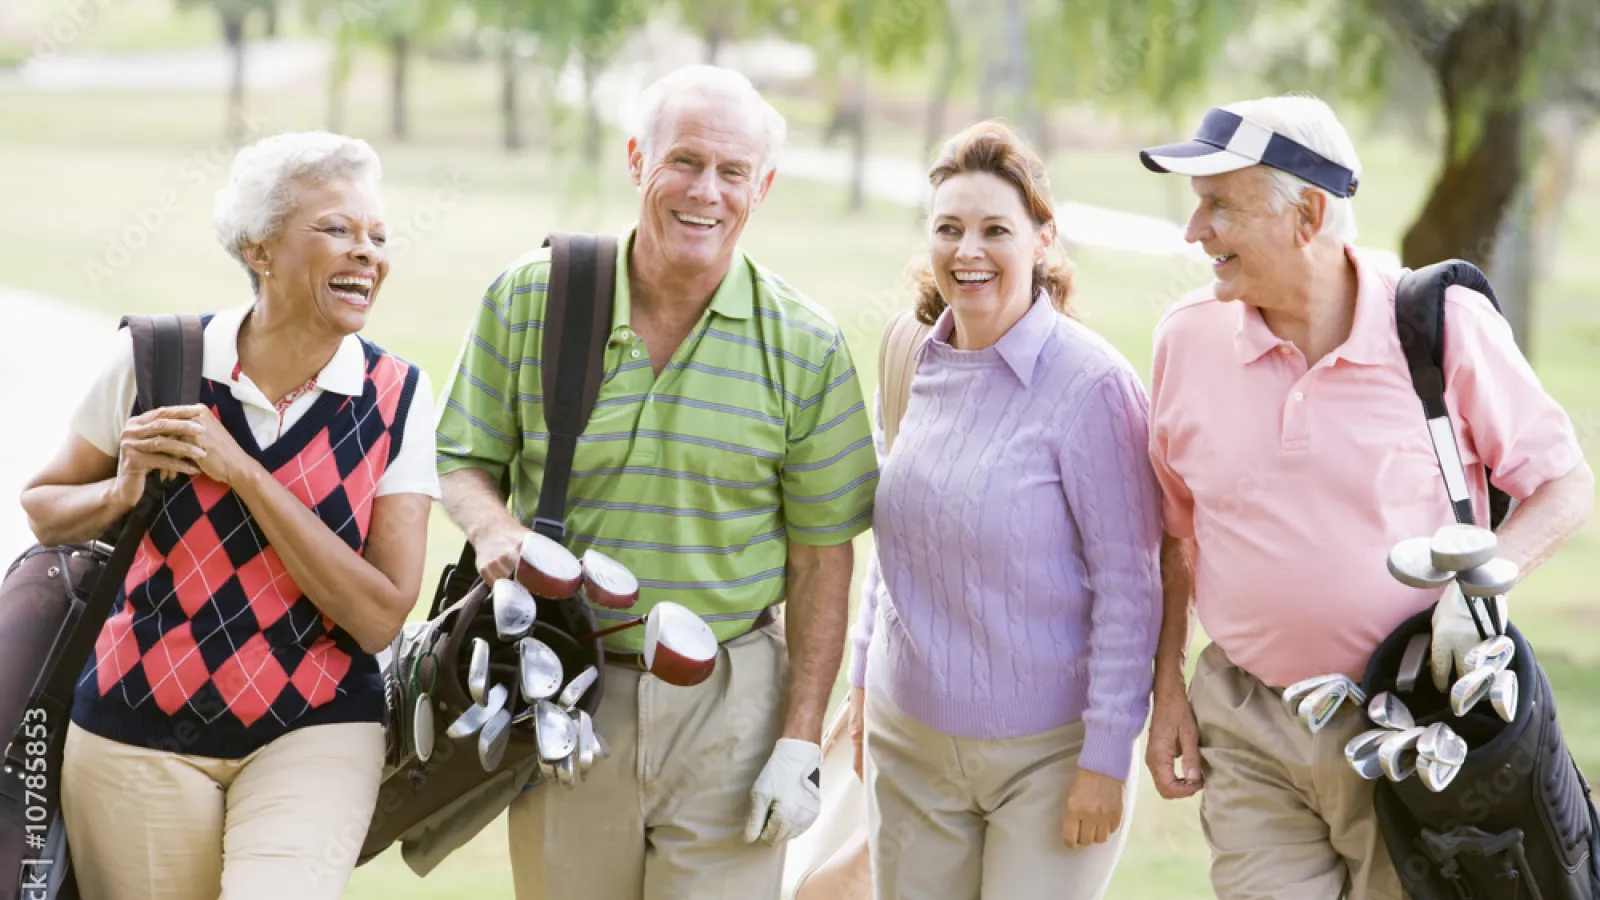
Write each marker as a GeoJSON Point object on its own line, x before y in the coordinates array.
{"type": "Point", "coordinates": [167, 351]}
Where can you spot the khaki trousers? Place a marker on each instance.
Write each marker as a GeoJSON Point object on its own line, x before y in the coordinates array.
{"type": "Point", "coordinates": [286, 821]}
{"type": "Point", "coordinates": [664, 817]}
{"type": "Point", "coordinates": [1285, 815]}
{"type": "Point", "coordinates": [952, 818]}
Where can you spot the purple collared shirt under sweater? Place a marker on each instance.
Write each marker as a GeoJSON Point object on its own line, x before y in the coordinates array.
{"type": "Point", "coordinates": [1016, 582]}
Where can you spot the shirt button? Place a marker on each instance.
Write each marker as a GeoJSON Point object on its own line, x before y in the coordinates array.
{"type": "Point", "coordinates": [1284, 349]}
{"type": "Point", "coordinates": [635, 354]}
{"type": "Point", "coordinates": [624, 334]}
{"type": "Point", "coordinates": [1298, 396]}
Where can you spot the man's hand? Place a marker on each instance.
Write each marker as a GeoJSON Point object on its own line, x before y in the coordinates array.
{"type": "Point", "coordinates": [499, 550]}
{"type": "Point", "coordinates": [1094, 809]}
{"type": "Point", "coordinates": [1454, 633]}
{"type": "Point", "coordinates": [858, 727]}
{"type": "Point", "coordinates": [788, 796]}
{"type": "Point", "coordinates": [1174, 737]}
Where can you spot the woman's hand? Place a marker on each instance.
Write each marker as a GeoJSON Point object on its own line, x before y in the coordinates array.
{"type": "Point", "coordinates": [221, 458]}
{"type": "Point", "coordinates": [164, 440]}
{"type": "Point", "coordinates": [1094, 809]}
{"type": "Point", "coordinates": [858, 728]}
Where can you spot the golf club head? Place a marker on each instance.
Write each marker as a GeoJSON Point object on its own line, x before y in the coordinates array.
{"type": "Point", "coordinates": [1412, 663]}
{"type": "Point", "coordinates": [1294, 693]}
{"type": "Point", "coordinates": [1436, 776]}
{"type": "Point", "coordinates": [477, 715]}
{"type": "Point", "coordinates": [1493, 578]}
{"type": "Point", "coordinates": [422, 727]}
{"type": "Point", "coordinates": [515, 610]}
{"type": "Point", "coordinates": [585, 744]}
{"type": "Point", "coordinates": [601, 748]}
{"type": "Point", "coordinates": [1495, 653]}
{"type": "Point", "coordinates": [548, 569]}
{"type": "Point", "coordinates": [1411, 564]}
{"type": "Point", "coordinates": [577, 687]}
{"type": "Point", "coordinates": [1386, 711]}
{"type": "Point", "coordinates": [478, 671]}
{"type": "Point", "coordinates": [492, 740]}
{"type": "Point", "coordinates": [557, 733]}
{"type": "Point", "coordinates": [1503, 694]}
{"type": "Point", "coordinates": [1457, 547]}
{"type": "Point", "coordinates": [567, 772]}
{"type": "Point", "coordinates": [1362, 753]}
{"type": "Point", "coordinates": [607, 582]}
{"type": "Point", "coordinates": [1439, 743]}
{"type": "Point", "coordinates": [1319, 706]}
{"type": "Point", "coordinates": [1469, 689]}
{"type": "Point", "coordinates": [538, 669]}
{"type": "Point", "coordinates": [1397, 754]}
{"type": "Point", "coordinates": [679, 647]}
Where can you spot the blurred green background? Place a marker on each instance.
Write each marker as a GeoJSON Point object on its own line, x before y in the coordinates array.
{"type": "Point", "coordinates": [498, 120]}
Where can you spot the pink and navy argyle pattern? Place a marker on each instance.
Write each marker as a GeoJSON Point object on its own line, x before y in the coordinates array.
{"type": "Point", "coordinates": [212, 649]}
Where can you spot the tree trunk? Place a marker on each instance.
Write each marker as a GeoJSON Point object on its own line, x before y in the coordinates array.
{"type": "Point", "coordinates": [1019, 73]}
{"type": "Point", "coordinates": [400, 47]}
{"type": "Point", "coordinates": [1480, 71]}
{"type": "Point", "coordinates": [858, 139]}
{"type": "Point", "coordinates": [715, 37]}
{"type": "Point", "coordinates": [271, 12]}
{"type": "Point", "coordinates": [1512, 270]}
{"type": "Point", "coordinates": [338, 77]}
{"type": "Point", "coordinates": [944, 84]}
{"type": "Point", "coordinates": [510, 117]}
{"type": "Point", "coordinates": [233, 35]}
{"type": "Point", "coordinates": [591, 111]}
{"type": "Point", "coordinates": [1563, 129]}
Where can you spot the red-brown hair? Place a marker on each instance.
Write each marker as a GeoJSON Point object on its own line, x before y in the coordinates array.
{"type": "Point", "coordinates": [994, 148]}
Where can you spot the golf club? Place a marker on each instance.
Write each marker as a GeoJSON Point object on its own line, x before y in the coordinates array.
{"type": "Point", "coordinates": [1503, 694]}
{"type": "Point", "coordinates": [1470, 689]}
{"type": "Point", "coordinates": [1440, 744]}
{"type": "Point", "coordinates": [1436, 776]}
{"type": "Point", "coordinates": [514, 610]}
{"type": "Point", "coordinates": [1294, 693]}
{"type": "Point", "coordinates": [492, 740]}
{"type": "Point", "coordinates": [1411, 563]}
{"type": "Point", "coordinates": [1397, 754]}
{"type": "Point", "coordinates": [1386, 710]}
{"type": "Point", "coordinates": [679, 647]}
{"type": "Point", "coordinates": [1495, 653]}
{"type": "Point", "coordinates": [1493, 578]}
{"type": "Point", "coordinates": [1457, 548]}
{"type": "Point", "coordinates": [1362, 753]}
{"type": "Point", "coordinates": [557, 733]}
{"type": "Point", "coordinates": [607, 582]}
{"type": "Point", "coordinates": [476, 715]}
{"type": "Point", "coordinates": [478, 670]}
{"type": "Point", "coordinates": [585, 744]}
{"type": "Point", "coordinates": [1416, 656]}
{"type": "Point", "coordinates": [566, 772]}
{"type": "Point", "coordinates": [548, 569]}
{"type": "Point", "coordinates": [538, 669]}
{"type": "Point", "coordinates": [1319, 706]}
{"type": "Point", "coordinates": [577, 687]}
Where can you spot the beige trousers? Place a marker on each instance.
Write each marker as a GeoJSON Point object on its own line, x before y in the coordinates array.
{"type": "Point", "coordinates": [1285, 815]}
{"type": "Point", "coordinates": [286, 821]}
{"type": "Point", "coordinates": [952, 818]}
{"type": "Point", "coordinates": [664, 817]}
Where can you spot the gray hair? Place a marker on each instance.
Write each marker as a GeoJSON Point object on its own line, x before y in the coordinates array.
{"type": "Point", "coordinates": [251, 206]}
{"type": "Point", "coordinates": [1313, 123]}
{"type": "Point", "coordinates": [714, 80]}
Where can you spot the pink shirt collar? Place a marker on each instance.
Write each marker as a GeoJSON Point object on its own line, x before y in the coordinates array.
{"type": "Point", "coordinates": [1019, 347]}
{"type": "Point", "coordinates": [1370, 333]}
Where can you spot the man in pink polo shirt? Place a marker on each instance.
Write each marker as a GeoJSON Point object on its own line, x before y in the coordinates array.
{"type": "Point", "coordinates": [1293, 453]}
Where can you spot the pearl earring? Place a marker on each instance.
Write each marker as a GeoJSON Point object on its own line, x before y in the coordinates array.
{"type": "Point", "coordinates": [269, 273]}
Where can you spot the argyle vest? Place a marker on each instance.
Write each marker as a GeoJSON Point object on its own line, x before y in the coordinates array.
{"type": "Point", "coordinates": [211, 648]}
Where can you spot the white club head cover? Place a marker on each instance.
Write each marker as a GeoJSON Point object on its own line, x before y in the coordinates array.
{"type": "Point", "coordinates": [787, 796]}
{"type": "Point", "coordinates": [1454, 632]}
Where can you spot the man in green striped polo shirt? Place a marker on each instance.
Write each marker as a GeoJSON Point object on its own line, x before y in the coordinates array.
{"type": "Point", "coordinates": [728, 463]}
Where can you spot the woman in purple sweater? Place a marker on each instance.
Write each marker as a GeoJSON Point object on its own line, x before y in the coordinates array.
{"type": "Point", "coordinates": [1002, 660]}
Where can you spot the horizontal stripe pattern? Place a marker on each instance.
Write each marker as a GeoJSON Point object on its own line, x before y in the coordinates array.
{"type": "Point", "coordinates": [754, 436]}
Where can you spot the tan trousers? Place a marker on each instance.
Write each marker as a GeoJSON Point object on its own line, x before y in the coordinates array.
{"type": "Point", "coordinates": [285, 821]}
{"type": "Point", "coordinates": [952, 818]}
{"type": "Point", "coordinates": [1286, 817]}
{"type": "Point", "coordinates": [664, 817]}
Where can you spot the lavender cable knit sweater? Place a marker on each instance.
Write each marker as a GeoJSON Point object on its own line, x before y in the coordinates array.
{"type": "Point", "coordinates": [1016, 585]}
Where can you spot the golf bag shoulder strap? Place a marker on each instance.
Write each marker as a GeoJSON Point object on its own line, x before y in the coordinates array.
{"type": "Point", "coordinates": [167, 351]}
{"type": "Point", "coordinates": [1419, 311]}
{"type": "Point", "coordinates": [577, 323]}
{"type": "Point", "coordinates": [897, 364]}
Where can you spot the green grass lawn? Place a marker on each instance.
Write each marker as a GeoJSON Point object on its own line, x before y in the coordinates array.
{"type": "Point", "coordinates": [106, 202]}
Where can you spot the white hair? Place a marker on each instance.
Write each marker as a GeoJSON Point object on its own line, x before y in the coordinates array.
{"type": "Point", "coordinates": [251, 206]}
{"type": "Point", "coordinates": [1313, 123]}
{"type": "Point", "coordinates": [702, 80]}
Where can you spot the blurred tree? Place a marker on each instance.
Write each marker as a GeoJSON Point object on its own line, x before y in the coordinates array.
{"type": "Point", "coordinates": [396, 25]}
{"type": "Point", "coordinates": [233, 15]}
{"type": "Point", "coordinates": [716, 21]}
{"type": "Point", "coordinates": [589, 33]}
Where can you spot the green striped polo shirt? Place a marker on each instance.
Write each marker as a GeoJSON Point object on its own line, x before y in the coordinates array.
{"type": "Point", "coordinates": [754, 435]}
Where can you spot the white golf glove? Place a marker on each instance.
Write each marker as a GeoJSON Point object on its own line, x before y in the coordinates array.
{"type": "Point", "coordinates": [787, 797]}
{"type": "Point", "coordinates": [1454, 633]}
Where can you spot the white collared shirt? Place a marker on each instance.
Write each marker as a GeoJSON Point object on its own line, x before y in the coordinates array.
{"type": "Point", "coordinates": [103, 413]}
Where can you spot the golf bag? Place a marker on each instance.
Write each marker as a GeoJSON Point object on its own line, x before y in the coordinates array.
{"type": "Point", "coordinates": [1517, 822]}
{"type": "Point", "coordinates": [53, 603]}
{"type": "Point", "coordinates": [433, 802]}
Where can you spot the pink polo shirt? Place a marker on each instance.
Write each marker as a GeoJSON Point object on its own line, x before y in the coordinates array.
{"type": "Point", "coordinates": [1295, 482]}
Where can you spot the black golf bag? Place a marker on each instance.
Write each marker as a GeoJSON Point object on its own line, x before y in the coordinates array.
{"type": "Point", "coordinates": [1517, 822]}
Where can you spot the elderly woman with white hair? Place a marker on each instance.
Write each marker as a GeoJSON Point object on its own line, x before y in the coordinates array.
{"type": "Point", "coordinates": [226, 735]}
{"type": "Point", "coordinates": [1293, 454]}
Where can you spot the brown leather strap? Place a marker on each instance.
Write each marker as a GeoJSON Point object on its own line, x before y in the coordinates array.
{"type": "Point", "coordinates": [897, 364]}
